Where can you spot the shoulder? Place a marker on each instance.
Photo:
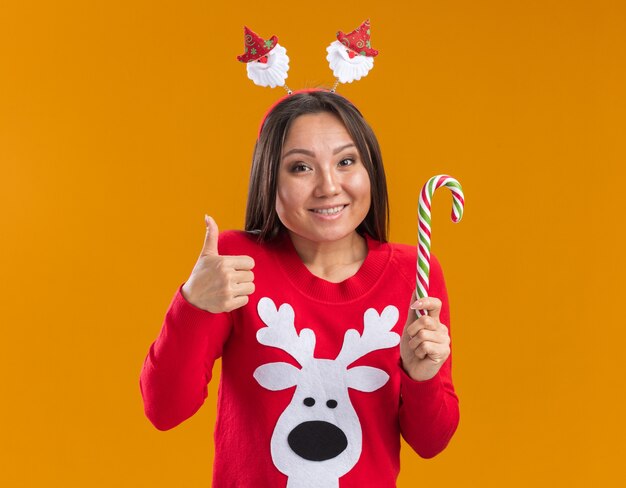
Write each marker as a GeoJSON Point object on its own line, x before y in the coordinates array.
{"type": "Point", "coordinates": [403, 252]}
{"type": "Point", "coordinates": [236, 242]}
{"type": "Point", "coordinates": [403, 260]}
{"type": "Point", "coordinates": [404, 256]}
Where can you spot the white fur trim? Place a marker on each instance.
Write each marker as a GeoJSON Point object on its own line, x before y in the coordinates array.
{"type": "Point", "coordinates": [344, 68]}
{"type": "Point", "coordinates": [274, 72]}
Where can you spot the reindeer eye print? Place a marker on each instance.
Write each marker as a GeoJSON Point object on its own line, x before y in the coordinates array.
{"type": "Point", "coordinates": [309, 402]}
{"type": "Point", "coordinates": [331, 403]}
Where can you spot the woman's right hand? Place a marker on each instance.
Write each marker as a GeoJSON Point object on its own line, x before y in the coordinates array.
{"type": "Point", "coordinates": [219, 283]}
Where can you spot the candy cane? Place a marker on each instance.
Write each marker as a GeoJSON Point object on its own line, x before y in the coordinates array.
{"type": "Point", "coordinates": [423, 233]}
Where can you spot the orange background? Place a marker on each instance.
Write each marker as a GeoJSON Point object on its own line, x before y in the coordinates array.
{"type": "Point", "coordinates": [122, 123]}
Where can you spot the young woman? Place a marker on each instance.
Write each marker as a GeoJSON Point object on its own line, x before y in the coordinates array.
{"type": "Point", "coordinates": [324, 365]}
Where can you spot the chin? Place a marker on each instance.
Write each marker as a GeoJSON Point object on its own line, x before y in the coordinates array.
{"type": "Point", "coordinates": [323, 235]}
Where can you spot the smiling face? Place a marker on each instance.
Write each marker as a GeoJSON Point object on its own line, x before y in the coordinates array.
{"type": "Point", "coordinates": [323, 189]}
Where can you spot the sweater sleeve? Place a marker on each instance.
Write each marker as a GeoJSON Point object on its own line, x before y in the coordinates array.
{"type": "Point", "coordinates": [429, 410]}
{"type": "Point", "coordinates": [178, 366]}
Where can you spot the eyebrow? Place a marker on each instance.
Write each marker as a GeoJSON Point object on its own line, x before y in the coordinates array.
{"type": "Point", "coordinates": [306, 152]}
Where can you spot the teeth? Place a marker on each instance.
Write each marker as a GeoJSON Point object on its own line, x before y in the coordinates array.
{"type": "Point", "coordinates": [329, 211]}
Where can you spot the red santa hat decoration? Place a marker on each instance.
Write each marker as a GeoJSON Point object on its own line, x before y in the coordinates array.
{"type": "Point", "coordinates": [350, 57]}
{"type": "Point", "coordinates": [267, 61]}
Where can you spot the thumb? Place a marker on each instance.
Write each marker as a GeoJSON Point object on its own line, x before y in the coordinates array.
{"type": "Point", "coordinates": [210, 240]}
{"type": "Point", "coordinates": [412, 316]}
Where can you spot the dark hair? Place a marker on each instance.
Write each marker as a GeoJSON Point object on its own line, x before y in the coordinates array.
{"type": "Point", "coordinates": [261, 217]}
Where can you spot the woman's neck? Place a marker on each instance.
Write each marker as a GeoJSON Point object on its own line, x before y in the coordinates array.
{"type": "Point", "coordinates": [333, 261]}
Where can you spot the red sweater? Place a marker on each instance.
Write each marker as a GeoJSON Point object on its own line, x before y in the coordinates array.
{"type": "Point", "coordinates": [312, 392]}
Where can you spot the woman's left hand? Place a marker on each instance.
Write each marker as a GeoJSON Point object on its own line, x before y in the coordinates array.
{"type": "Point", "coordinates": [425, 343]}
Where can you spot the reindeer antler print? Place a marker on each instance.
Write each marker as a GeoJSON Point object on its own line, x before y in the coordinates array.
{"type": "Point", "coordinates": [376, 335]}
{"type": "Point", "coordinates": [281, 332]}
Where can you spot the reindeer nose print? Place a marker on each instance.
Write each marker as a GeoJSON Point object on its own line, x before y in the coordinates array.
{"type": "Point", "coordinates": [331, 403]}
{"type": "Point", "coordinates": [309, 402]}
{"type": "Point", "coordinates": [317, 440]}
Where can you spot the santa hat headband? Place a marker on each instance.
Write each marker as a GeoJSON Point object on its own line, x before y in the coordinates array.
{"type": "Point", "coordinates": [350, 57]}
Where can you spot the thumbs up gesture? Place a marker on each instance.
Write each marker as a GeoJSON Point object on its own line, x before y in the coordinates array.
{"type": "Point", "coordinates": [219, 283]}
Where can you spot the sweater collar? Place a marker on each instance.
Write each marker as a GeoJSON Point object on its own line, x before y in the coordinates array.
{"type": "Point", "coordinates": [318, 289]}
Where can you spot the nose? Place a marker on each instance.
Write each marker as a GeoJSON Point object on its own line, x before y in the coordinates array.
{"type": "Point", "coordinates": [317, 440]}
{"type": "Point", "coordinates": [327, 184]}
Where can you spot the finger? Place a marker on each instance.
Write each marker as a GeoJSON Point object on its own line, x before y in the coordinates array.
{"type": "Point", "coordinates": [210, 239]}
{"type": "Point", "coordinates": [431, 305]}
{"type": "Point", "coordinates": [430, 350]}
{"type": "Point", "coordinates": [420, 353]}
{"type": "Point", "coordinates": [425, 322]}
{"type": "Point", "coordinates": [412, 315]}
{"type": "Point", "coordinates": [241, 263]}
{"type": "Point", "coordinates": [243, 289]}
{"type": "Point", "coordinates": [425, 335]}
{"type": "Point", "coordinates": [236, 302]}
{"type": "Point", "coordinates": [242, 277]}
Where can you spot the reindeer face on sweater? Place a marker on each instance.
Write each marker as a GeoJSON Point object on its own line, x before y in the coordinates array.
{"type": "Point", "coordinates": [318, 436]}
